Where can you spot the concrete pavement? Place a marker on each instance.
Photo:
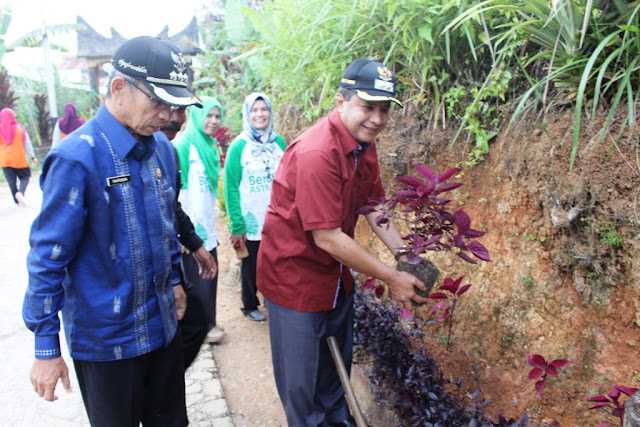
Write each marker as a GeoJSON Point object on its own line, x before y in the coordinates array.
{"type": "Point", "coordinates": [21, 406]}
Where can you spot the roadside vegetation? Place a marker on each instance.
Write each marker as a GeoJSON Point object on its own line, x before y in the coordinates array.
{"type": "Point", "coordinates": [482, 65]}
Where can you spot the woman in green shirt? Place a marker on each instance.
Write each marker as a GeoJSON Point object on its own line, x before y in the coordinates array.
{"type": "Point", "coordinates": [252, 160]}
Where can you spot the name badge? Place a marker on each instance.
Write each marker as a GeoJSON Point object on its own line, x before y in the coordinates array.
{"type": "Point", "coordinates": [117, 180]}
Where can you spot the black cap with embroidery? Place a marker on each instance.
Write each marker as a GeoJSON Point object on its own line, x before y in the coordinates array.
{"type": "Point", "coordinates": [160, 66]}
{"type": "Point", "coordinates": [370, 80]}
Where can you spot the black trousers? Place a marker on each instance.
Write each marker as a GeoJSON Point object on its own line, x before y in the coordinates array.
{"type": "Point", "coordinates": [306, 376]}
{"type": "Point", "coordinates": [250, 299]}
{"type": "Point", "coordinates": [14, 175]}
{"type": "Point", "coordinates": [200, 316]}
{"type": "Point", "coordinates": [147, 389]}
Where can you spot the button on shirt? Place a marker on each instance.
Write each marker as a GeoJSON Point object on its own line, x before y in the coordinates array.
{"type": "Point", "coordinates": [316, 186]}
{"type": "Point", "coordinates": [103, 248]}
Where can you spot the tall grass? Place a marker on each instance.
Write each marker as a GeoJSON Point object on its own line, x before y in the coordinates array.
{"type": "Point", "coordinates": [590, 49]}
{"type": "Point", "coordinates": [555, 53]}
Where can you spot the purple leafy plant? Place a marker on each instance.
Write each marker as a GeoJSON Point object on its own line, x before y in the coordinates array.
{"type": "Point", "coordinates": [542, 368]}
{"type": "Point", "coordinates": [432, 224]}
{"type": "Point", "coordinates": [612, 401]}
{"type": "Point", "coordinates": [448, 302]}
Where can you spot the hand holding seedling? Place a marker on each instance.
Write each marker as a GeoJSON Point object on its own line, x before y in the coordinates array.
{"type": "Point", "coordinates": [425, 271]}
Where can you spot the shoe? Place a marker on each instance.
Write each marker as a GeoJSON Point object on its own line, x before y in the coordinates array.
{"type": "Point", "coordinates": [214, 335]}
{"type": "Point", "coordinates": [349, 422]}
{"type": "Point", "coordinates": [20, 198]}
{"type": "Point", "coordinates": [256, 315]}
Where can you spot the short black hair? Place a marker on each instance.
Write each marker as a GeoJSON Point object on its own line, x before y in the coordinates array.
{"type": "Point", "coordinates": [346, 93]}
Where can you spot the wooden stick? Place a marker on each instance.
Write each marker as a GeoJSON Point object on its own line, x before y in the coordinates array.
{"type": "Point", "coordinates": [346, 385]}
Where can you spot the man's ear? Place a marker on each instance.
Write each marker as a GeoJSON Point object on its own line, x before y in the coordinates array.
{"type": "Point", "coordinates": [118, 84]}
{"type": "Point", "coordinates": [339, 100]}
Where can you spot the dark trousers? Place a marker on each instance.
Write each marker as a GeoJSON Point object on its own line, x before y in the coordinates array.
{"type": "Point", "coordinates": [14, 175]}
{"type": "Point", "coordinates": [200, 316]}
{"type": "Point", "coordinates": [147, 389]}
{"type": "Point", "coordinates": [305, 374]}
{"type": "Point", "coordinates": [250, 299]}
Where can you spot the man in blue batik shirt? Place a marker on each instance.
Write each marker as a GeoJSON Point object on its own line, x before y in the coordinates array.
{"type": "Point", "coordinates": [104, 249]}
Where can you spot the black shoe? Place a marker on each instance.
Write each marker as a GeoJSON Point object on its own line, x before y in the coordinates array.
{"type": "Point", "coordinates": [349, 422]}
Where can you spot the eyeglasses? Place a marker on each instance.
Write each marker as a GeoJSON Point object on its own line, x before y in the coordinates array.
{"type": "Point", "coordinates": [159, 105]}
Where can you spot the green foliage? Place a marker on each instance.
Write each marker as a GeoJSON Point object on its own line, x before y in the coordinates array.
{"type": "Point", "coordinates": [609, 235]}
{"type": "Point", "coordinates": [471, 61]}
{"type": "Point", "coordinates": [225, 70]}
{"type": "Point", "coordinates": [24, 107]}
{"type": "Point", "coordinates": [589, 50]}
{"type": "Point", "coordinates": [453, 101]}
{"type": "Point", "coordinates": [528, 282]}
{"type": "Point", "coordinates": [483, 116]}
{"type": "Point", "coordinates": [5, 20]}
{"type": "Point", "coordinates": [305, 47]}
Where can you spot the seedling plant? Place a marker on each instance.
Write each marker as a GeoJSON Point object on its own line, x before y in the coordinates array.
{"type": "Point", "coordinates": [542, 368]}
{"type": "Point", "coordinates": [448, 301]}
{"type": "Point", "coordinates": [612, 401]}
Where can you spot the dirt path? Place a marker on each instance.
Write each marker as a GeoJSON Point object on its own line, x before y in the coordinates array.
{"type": "Point", "coordinates": [244, 355]}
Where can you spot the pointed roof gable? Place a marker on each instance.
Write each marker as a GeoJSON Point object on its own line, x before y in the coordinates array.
{"type": "Point", "coordinates": [93, 45]}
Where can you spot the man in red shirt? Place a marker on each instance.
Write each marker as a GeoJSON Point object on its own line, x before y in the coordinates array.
{"type": "Point", "coordinates": [307, 250]}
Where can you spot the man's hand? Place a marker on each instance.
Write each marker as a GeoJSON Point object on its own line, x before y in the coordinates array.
{"type": "Point", "coordinates": [207, 267]}
{"type": "Point", "coordinates": [45, 374]}
{"type": "Point", "coordinates": [425, 271]}
{"type": "Point", "coordinates": [401, 289]}
{"type": "Point", "coordinates": [181, 301]}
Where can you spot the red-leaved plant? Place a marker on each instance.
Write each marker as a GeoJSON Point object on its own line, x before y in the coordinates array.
{"type": "Point", "coordinates": [373, 285]}
{"type": "Point", "coordinates": [612, 401]}
{"type": "Point", "coordinates": [223, 136]}
{"type": "Point", "coordinates": [432, 225]}
{"type": "Point", "coordinates": [448, 303]}
{"type": "Point", "coordinates": [542, 368]}
{"type": "Point", "coordinates": [378, 290]}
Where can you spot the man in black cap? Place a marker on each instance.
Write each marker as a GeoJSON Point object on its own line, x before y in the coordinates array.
{"type": "Point", "coordinates": [307, 250]}
{"type": "Point", "coordinates": [104, 249]}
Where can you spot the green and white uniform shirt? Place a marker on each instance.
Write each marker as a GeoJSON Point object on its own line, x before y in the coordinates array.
{"type": "Point", "coordinates": [248, 173]}
{"type": "Point", "coordinates": [199, 202]}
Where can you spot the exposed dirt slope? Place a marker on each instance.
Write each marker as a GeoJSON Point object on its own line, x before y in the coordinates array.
{"type": "Point", "coordinates": [557, 286]}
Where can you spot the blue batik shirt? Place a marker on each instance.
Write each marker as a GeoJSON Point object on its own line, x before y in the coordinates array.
{"type": "Point", "coordinates": [103, 248]}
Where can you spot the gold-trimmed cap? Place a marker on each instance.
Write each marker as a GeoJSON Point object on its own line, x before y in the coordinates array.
{"type": "Point", "coordinates": [160, 66]}
{"type": "Point", "coordinates": [371, 81]}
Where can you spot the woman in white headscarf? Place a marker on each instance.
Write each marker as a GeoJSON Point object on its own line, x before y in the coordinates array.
{"type": "Point", "coordinates": [252, 160]}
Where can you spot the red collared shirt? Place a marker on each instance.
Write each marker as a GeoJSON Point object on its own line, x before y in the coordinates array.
{"type": "Point", "coordinates": [317, 186]}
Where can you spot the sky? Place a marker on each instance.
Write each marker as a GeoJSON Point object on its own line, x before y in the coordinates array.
{"type": "Point", "coordinates": [130, 18]}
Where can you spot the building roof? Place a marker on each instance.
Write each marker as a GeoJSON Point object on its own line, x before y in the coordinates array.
{"type": "Point", "coordinates": [93, 45]}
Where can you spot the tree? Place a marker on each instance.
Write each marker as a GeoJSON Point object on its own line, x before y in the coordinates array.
{"type": "Point", "coordinates": [7, 95]}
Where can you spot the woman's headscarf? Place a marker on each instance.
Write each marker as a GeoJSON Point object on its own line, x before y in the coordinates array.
{"type": "Point", "coordinates": [8, 126]}
{"type": "Point", "coordinates": [70, 121]}
{"type": "Point", "coordinates": [250, 133]}
{"type": "Point", "coordinates": [206, 145]}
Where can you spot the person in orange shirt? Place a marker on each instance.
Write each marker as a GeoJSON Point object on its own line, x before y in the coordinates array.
{"type": "Point", "coordinates": [15, 151]}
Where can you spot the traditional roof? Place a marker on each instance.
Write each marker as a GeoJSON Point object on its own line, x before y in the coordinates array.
{"type": "Point", "coordinates": [93, 45]}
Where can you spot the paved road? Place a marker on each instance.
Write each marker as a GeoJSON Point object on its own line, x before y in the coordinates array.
{"type": "Point", "coordinates": [20, 405]}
